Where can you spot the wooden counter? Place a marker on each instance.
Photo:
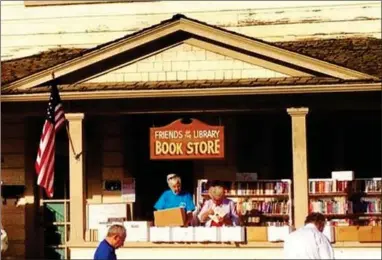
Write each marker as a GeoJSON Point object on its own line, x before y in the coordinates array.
{"type": "Point", "coordinates": [251, 250]}
{"type": "Point", "coordinates": [220, 245]}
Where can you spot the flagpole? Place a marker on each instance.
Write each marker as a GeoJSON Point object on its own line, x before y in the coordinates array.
{"type": "Point", "coordinates": [70, 140]}
{"type": "Point", "coordinates": [67, 131]}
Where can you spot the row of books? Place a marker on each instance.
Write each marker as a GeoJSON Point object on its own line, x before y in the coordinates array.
{"type": "Point", "coordinates": [259, 188]}
{"type": "Point", "coordinates": [265, 207]}
{"type": "Point", "coordinates": [373, 186]}
{"type": "Point", "coordinates": [340, 205]}
{"type": "Point", "coordinates": [254, 221]}
{"type": "Point", "coordinates": [320, 186]}
{"type": "Point", "coordinates": [255, 188]}
{"type": "Point", "coordinates": [332, 185]}
{"type": "Point", "coordinates": [371, 205]}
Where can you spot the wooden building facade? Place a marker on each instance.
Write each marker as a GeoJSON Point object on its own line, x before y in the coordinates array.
{"type": "Point", "coordinates": [291, 109]}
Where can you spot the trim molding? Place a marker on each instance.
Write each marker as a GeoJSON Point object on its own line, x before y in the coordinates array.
{"type": "Point", "coordinates": [163, 93]}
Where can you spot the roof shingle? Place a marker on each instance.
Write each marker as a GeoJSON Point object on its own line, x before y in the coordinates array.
{"type": "Point", "coordinates": [360, 54]}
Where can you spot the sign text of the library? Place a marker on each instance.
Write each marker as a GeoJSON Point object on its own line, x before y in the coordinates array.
{"type": "Point", "coordinates": [196, 140]}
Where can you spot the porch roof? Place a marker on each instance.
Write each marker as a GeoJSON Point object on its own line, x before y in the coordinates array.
{"type": "Point", "coordinates": [363, 55]}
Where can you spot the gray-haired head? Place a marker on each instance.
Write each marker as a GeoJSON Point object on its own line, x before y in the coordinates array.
{"type": "Point", "coordinates": [116, 230]}
{"type": "Point", "coordinates": [172, 179]}
{"type": "Point", "coordinates": [174, 182]}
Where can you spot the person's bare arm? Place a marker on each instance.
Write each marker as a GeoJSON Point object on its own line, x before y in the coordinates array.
{"type": "Point", "coordinates": [189, 218]}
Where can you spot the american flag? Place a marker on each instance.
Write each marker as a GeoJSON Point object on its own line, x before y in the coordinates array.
{"type": "Point", "coordinates": [55, 119]}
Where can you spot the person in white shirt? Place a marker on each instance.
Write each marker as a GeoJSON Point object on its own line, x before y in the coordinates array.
{"type": "Point", "coordinates": [309, 242]}
{"type": "Point", "coordinates": [4, 240]}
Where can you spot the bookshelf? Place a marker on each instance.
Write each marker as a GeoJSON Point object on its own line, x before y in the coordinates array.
{"type": "Point", "coordinates": [355, 202]}
{"type": "Point", "coordinates": [258, 203]}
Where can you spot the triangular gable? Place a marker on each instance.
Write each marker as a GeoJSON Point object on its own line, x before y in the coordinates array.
{"type": "Point", "coordinates": [186, 62]}
{"type": "Point", "coordinates": [196, 33]}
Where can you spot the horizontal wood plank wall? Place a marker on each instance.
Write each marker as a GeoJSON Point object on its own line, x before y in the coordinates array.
{"type": "Point", "coordinates": [13, 173]}
{"type": "Point", "coordinates": [85, 26]}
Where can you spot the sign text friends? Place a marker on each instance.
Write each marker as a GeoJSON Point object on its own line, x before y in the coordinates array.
{"type": "Point", "coordinates": [186, 141]}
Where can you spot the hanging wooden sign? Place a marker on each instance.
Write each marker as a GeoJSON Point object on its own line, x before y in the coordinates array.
{"type": "Point", "coordinates": [195, 140]}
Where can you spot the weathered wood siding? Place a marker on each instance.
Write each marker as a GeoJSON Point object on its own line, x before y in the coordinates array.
{"type": "Point", "coordinates": [13, 173]}
{"type": "Point", "coordinates": [28, 30]}
{"type": "Point", "coordinates": [106, 157]}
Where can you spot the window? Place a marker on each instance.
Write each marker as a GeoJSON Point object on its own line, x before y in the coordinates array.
{"type": "Point", "coordinates": [31, 3]}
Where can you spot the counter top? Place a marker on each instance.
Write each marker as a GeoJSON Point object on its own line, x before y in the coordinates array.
{"type": "Point", "coordinates": [219, 245]}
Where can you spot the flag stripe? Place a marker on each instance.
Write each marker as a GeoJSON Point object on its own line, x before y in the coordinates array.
{"type": "Point", "coordinates": [55, 120]}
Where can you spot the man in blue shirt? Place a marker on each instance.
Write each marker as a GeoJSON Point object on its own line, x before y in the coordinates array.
{"type": "Point", "coordinates": [115, 238]}
{"type": "Point", "coordinates": [175, 197]}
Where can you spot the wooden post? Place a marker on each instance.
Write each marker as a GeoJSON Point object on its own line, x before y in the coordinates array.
{"type": "Point", "coordinates": [76, 180]}
{"type": "Point", "coordinates": [300, 172]}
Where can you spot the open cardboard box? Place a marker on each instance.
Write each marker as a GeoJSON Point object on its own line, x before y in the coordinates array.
{"type": "Point", "coordinates": [175, 217]}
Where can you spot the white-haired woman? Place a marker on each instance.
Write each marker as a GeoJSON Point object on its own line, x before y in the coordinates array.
{"type": "Point", "coordinates": [175, 197]}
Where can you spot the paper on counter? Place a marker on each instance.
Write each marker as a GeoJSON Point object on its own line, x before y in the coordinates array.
{"type": "Point", "coordinates": [232, 234]}
{"type": "Point", "coordinates": [278, 234]}
{"type": "Point", "coordinates": [137, 231]}
{"type": "Point", "coordinates": [182, 234]}
{"type": "Point", "coordinates": [160, 234]}
{"type": "Point", "coordinates": [206, 234]}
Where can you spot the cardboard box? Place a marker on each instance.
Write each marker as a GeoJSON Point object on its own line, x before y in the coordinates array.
{"type": "Point", "coordinates": [346, 233]}
{"type": "Point", "coordinates": [160, 234]}
{"type": "Point", "coordinates": [257, 234]}
{"type": "Point", "coordinates": [175, 217]}
{"type": "Point", "coordinates": [232, 234]}
{"type": "Point", "coordinates": [370, 234]}
{"type": "Point", "coordinates": [137, 231]}
{"type": "Point", "coordinates": [278, 234]}
{"type": "Point", "coordinates": [182, 234]}
{"type": "Point", "coordinates": [206, 234]}
{"type": "Point", "coordinates": [343, 175]}
{"type": "Point", "coordinates": [102, 232]}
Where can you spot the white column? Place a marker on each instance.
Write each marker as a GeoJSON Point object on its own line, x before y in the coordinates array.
{"type": "Point", "coordinates": [300, 171]}
{"type": "Point", "coordinates": [76, 179]}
